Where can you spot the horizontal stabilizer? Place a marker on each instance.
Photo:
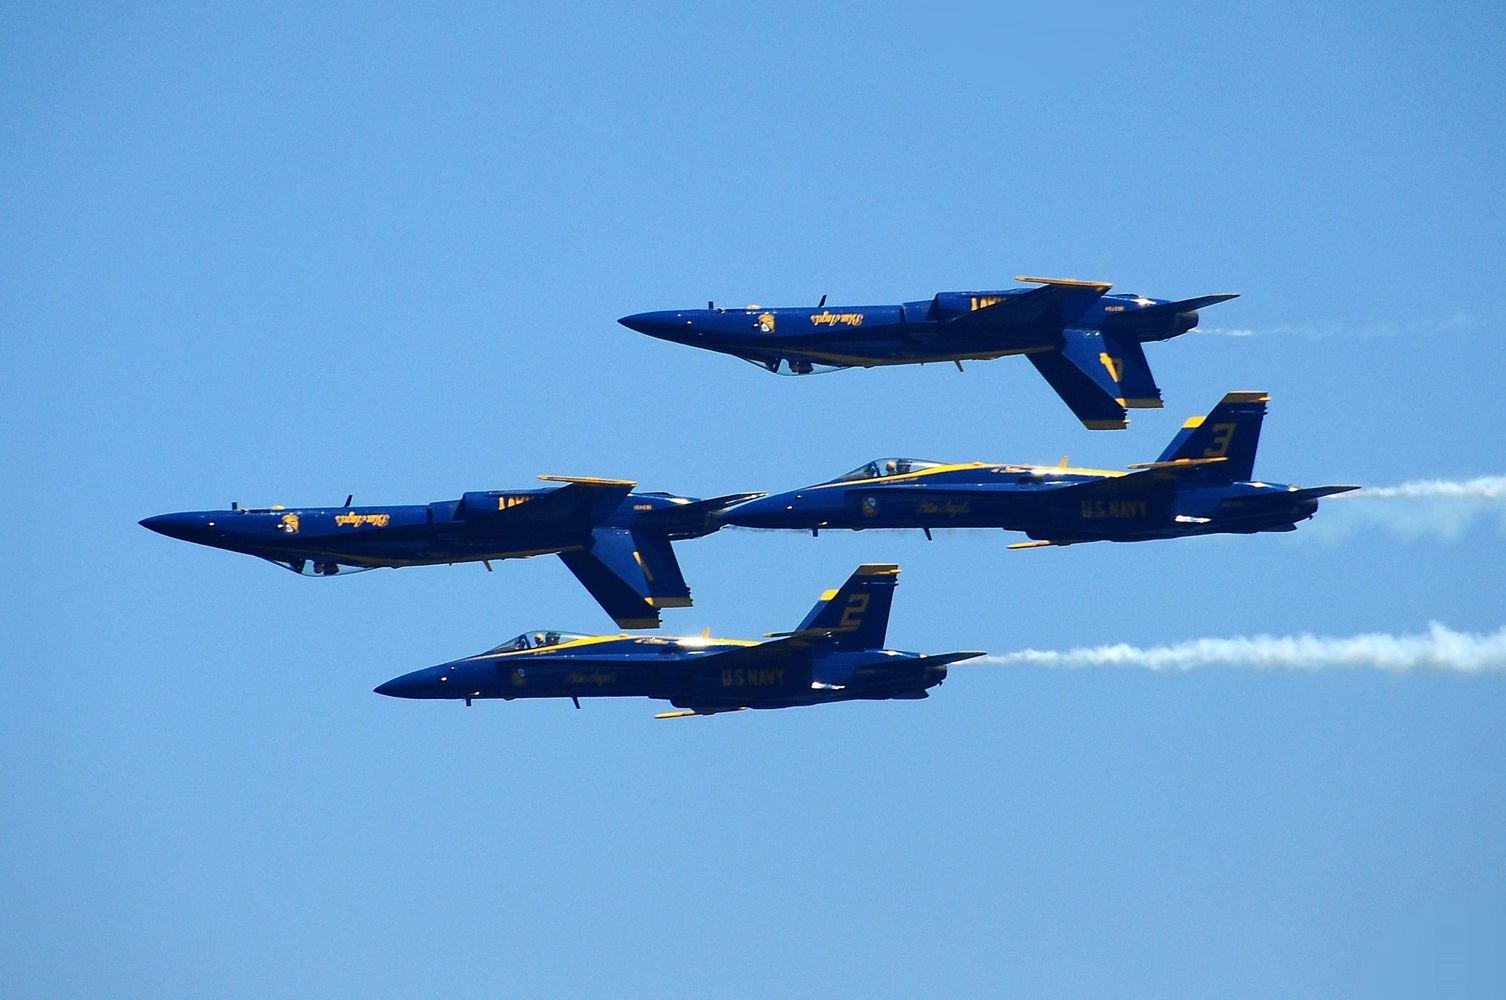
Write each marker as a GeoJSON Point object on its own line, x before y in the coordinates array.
{"type": "Point", "coordinates": [694, 519]}
{"type": "Point", "coordinates": [1316, 492]}
{"type": "Point", "coordinates": [1183, 305]}
{"type": "Point", "coordinates": [942, 659]}
{"type": "Point", "coordinates": [1163, 320]}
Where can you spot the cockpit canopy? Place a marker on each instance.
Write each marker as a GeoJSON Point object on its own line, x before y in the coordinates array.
{"type": "Point", "coordinates": [880, 467]}
{"type": "Point", "coordinates": [537, 639]}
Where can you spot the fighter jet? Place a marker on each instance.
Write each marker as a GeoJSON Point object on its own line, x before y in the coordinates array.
{"type": "Point", "coordinates": [835, 654]}
{"type": "Point", "coordinates": [1086, 343]}
{"type": "Point", "coordinates": [615, 541]}
{"type": "Point", "coordinates": [1202, 484]}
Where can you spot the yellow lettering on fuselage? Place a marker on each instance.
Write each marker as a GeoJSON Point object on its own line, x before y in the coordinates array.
{"type": "Point", "coordinates": [507, 503]}
{"type": "Point", "coordinates": [356, 520]}
{"type": "Point", "coordinates": [828, 318]}
{"type": "Point", "coordinates": [594, 678]}
{"type": "Point", "coordinates": [984, 301]}
{"type": "Point", "coordinates": [949, 509]}
{"type": "Point", "coordinates": [1123, 509]}
{"type": "Point", "coordinates": [761, 677]}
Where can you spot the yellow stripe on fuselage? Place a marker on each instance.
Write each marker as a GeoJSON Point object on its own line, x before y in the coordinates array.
{"type": "Point", "coordinates": [964, 466]}
{"type": "Point", "coordinates": [595, 640]}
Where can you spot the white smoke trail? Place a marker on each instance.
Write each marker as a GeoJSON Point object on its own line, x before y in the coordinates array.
{"type": "Point", "coordinates": [1425, 508]}
{"type": "Point", "coordinates": [1440, 648]}
{"type": "Point", "coordinates": [1432, 327]}
{"type": "Point", "coordinates": [1219, 331]}
{"type": "Point", "coordinates": [1480, 488]}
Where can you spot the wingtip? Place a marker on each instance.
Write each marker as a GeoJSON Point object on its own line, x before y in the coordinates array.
{"type": "Point", "coordinates": [589, 480]}
{"type": "Point", "coordinates": [1073, 282]}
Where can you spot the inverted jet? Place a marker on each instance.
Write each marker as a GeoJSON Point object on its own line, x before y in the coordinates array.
{"type": "Point", "coordinates": [835, 654]}
{"type": "Point", "coordinates": [615, 541]}
{"type": "Point", "coordinates": [1087, 343]}
{"type": "Point", "coordinates": [1202, 484]}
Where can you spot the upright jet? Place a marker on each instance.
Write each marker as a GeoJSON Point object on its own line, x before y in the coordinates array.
{"type": "Point", "coordinates": [1202, 484]}
{"type": "Point", "coordinates": [835, 654]}
{"type": "Point", "coordinates": [615, 541]}
{"type": "Point", "coordinates": [1085, 342]}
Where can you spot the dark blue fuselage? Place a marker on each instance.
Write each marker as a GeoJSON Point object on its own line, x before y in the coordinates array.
{"type": "Point", "coordinates": [325, 541]}
{"type": "Point", "coordinates": [798, 341]}
{"type": "Point", "coordinates": [688, 672]}
{"type": "Point", "coordinates": [1038, 500]}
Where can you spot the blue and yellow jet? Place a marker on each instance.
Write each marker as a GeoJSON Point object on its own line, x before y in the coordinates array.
{"type": "Point", "coordinates": [615, 541]}
{"type": "Point", "coordinates": [835, 654]}
{"type": "Point", "coordinates": [1086, 343]}
{"type": "Point", "coordinates": [1202, 484]}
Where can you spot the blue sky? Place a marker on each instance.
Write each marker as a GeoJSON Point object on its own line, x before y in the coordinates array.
{"type": "Point", "coordinates": [282, 254]}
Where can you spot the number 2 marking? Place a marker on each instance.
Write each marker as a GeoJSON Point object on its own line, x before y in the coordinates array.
{"type": "Point", "coordinates": [852, 615]}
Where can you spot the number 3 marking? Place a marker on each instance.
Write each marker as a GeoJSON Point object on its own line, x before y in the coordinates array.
{"type": "Point", "coordinates": [1222, 435]}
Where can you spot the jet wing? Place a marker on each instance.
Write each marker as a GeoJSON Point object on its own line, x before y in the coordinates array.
{"type": "Point", "coordinates": [580, 501]}
{"type": "Point", "coordinates": [1155, 477]}
{"type": "Point", "coordinates": [786, 648]}
{"type": "Point", "coordinates": [1057, 303]}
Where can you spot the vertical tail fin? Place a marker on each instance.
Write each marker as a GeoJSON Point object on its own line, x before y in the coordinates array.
{"type": "Point", "coordinates": [859, 609]}
{"type": "Point", "coordinates": [1230, 431]}
{"type": "Point", "coordinates": [1125, 359]}
{"type": "Point", "coordinates": [1081, 372]}
{"type": "Point", "coordinates": [661, 570]}
{"type": "Point", "coordinates": [632, 574]}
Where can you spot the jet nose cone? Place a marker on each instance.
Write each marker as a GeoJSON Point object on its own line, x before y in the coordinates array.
{"type": "Point", "coordinates": [394, 688]}
{"type": "Point", "coordinates": [407, 686]}
{"type": "Point", "coordinates": [188, 527]}
{"type": "Point", "coordinates": [664, 325]}
{"type": "Point", "coordinates": [641, 322]}
{"type": "Point", "coordinates": [432, 682]}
